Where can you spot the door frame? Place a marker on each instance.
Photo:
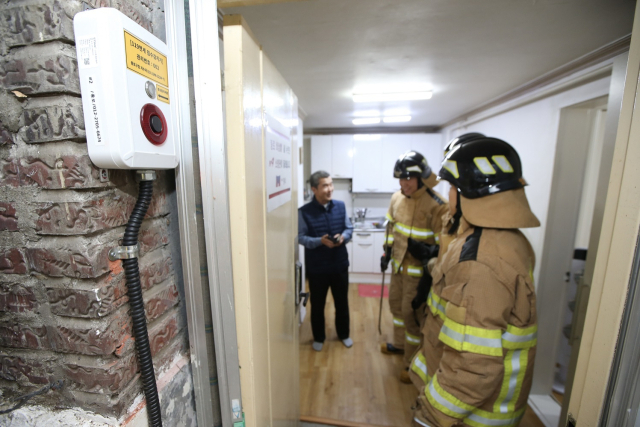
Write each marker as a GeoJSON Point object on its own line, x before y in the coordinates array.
{"type": "Point", "coordinates": [212, 152]}
{"type": "Point", "coordinates": [614, 263]}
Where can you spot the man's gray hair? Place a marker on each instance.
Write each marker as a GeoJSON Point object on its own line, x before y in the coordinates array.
{"type": "Point", "coordinates": [315, 178]}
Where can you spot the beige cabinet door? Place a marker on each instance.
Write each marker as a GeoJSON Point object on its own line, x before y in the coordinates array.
{"type": "Point", "coordinates": [261, 109]}
{"type": "Point", "coordinates": [614, 270]}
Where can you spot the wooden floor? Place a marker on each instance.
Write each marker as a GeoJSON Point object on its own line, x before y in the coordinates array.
{"type": "Point", "coordinates": [358, 386]}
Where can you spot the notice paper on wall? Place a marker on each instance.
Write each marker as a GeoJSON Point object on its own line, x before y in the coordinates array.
{"type": "Point", "coordinates": [278, 163]}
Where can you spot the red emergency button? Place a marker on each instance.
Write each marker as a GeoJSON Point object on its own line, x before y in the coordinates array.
{"type": "Point", "coordinates": [154, 125]}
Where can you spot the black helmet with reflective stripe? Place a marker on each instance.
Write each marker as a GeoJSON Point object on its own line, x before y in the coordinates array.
{"type": "Point", "coordinates": [461, 139]}
{"type": "Point", "coordinates": [482, 166]}
{"type": "Point", "coordinates": [411, 164]}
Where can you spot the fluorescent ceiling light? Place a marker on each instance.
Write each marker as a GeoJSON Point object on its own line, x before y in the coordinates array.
{"type": "Point", "coordinates": [391, 96]}
{"type": "Point", "coordinates": [397, 119]}
{"type": "Point", "coordinates": [367, 121]}
{"type": "Point", "coordinates": [397, 112]}
{"type": "Point", "coordinates": [366, 137]}
{"type": "Point", "coordinates": [369, 113]}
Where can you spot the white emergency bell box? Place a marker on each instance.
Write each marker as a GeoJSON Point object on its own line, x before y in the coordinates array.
{"type": "Point", "coordinates": [124, 78]}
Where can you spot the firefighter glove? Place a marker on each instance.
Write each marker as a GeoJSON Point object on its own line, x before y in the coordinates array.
{"type": "Point", "coordinates": [384, 260]}
{"type": "Point", "coordinates": [422, 251]}
{"type": "Point", "coordinates": [424, 286]}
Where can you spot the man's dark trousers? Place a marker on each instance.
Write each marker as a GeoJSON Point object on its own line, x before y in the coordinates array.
{"type": "Point", "coordinates": [319, 285]}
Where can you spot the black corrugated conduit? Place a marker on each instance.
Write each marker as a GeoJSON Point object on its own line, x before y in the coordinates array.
{"type": "Point", "coordinates": [132, 274]}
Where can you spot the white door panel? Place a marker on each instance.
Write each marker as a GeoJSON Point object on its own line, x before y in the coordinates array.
{"type": "Point", "coordinates": [342, 156]}
{"type": "Point", "coordinates": [321, 153]}
{"type": "Point", "coordinates": [366, 166]}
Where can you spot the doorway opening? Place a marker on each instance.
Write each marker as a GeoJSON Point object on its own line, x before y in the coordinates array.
{"type": "Point", "coordinates": [569, 250]}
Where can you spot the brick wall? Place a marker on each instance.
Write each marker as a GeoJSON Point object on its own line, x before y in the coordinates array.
{"type": "Point", "coordinates": [63, 304]}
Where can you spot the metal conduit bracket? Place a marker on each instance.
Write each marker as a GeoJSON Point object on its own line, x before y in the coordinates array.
{"type": "Point", "coordinates": [146, 175]}
{"type": "Point", "coordinates": [124, 252]}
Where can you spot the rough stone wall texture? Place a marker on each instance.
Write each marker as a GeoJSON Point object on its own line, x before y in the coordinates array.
{"type": "Point", "coordinates": [63, 304]}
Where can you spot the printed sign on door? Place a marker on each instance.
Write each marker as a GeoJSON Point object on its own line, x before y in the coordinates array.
{"type": "Point", "coordinates": [278, 162]}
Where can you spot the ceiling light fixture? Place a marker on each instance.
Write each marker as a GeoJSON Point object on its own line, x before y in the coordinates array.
{"type": "Point", "coordinates": [366, 137]}
{"type": "Point", "coordinates": [392, 96]}
{"type": "Point", "coordinates": [397, 119]}
{"type": "Point", "coordinates": [367, 121]}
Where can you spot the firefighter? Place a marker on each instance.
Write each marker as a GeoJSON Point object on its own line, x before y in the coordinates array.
{"type": "Point", "coordinates": [427, 255]}
{"type": "Point", "coordinates": [480, 332]}
{"type": "Point", "coordinates": [415, 212]}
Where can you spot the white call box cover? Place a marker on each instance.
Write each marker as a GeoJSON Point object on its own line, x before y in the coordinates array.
{"type": "Point", "coordinates": [125, 82]}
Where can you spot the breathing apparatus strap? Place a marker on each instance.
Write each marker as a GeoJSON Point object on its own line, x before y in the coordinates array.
{"type": "Point", "coordinates": [456, 217]}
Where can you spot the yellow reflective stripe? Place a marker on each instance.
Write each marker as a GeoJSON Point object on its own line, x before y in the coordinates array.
{"type": "Point", "coordinates": [437, 237]}
{"type": "Point", "coordinates": [415, 271]}
{"type": "Point", "coordinates": [518, 338]}
{"type": "Point", "coordinates": [415, 232]}
{"type": "Point", "coordinates": [402, 229]}
{"type": "Point", "coordinates": [395, 265]}
{"type": "Point", "coordinates": [515, 368]}
{"type": "Point", "coordinates": [469, 338]}
{"type": "Point", "coordinates": [421, 233]}
{"type": "Point", "coordinates": [419, 366]}
{"type": "Point", "coordinates": [484, 165]}
{"type": "Point", "coordinates": [480, 418]}
{"type": "Point", "coordinates": [446, 402]}
{"type": "Point", "coordinates": [435, 304]}
{"type": "Point", "coordinates": [398, 322]}
{"type": "Point", "coordinates": [503, 163]}
{"type": "Point", "coordinates": [523, 362]}
{"type": "Point", "coordinates": [390, 239]}
{"type": "Point", "coordinates": [411, 339]}
{"type": "Point", "coordinates": [389, 217]}
{"type": "Point", "coordinates": [452, 167]}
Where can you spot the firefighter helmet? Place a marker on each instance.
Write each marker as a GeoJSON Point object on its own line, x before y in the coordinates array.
{"type": "Point", "coordinates": [411, 164]}
{"type": "Point", "coordinates": [461, 139]}
{"type": "Point", "coordinates": [488, 176]}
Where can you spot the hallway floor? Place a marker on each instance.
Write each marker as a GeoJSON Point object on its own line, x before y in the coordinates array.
{"type": "Point", "coordinates": [357, 386]}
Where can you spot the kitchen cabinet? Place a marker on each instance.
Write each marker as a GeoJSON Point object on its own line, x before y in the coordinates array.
{"type": "Point", "coordinates": [393, 146]}
{"type": "Point", "coordinates": [370, 163]}
{"type": "Point", "coordinates": [363, 251]}
{"type": "Point", "coordinates": [430, 146]}
{"type": "Point", "coordinates": [321, 148]}
{"type": "Point", "coordinates": [366, 166]}
{"type": "Point", "coordinates": [341, 156]}
{"type": "Point", "coordinates": [350, 252]}
{"type": "Point", "coordinates": [332, 153]}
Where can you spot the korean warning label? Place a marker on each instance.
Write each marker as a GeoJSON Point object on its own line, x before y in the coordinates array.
{"type": "Point", "coordinates": [145, 60]}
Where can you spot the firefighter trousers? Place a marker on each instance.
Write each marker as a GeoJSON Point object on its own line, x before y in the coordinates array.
{"type": "Point", "coordinates": [406, 321]}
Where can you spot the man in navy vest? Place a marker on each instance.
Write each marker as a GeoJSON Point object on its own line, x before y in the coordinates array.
{"type": "Point", "coordinates": [323, 229]}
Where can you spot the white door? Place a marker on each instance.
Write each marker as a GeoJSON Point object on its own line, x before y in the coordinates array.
{"type": "Point", "coordinates": [366, 166]}
{"type": "Point", "coordinates": [321, 153]}
{"type": "Point", "coordinates": [603, 388]}
{"type": "Point", "coordinates": [263, 218]}
{"type": "Point", "coordinates": [341, 156]}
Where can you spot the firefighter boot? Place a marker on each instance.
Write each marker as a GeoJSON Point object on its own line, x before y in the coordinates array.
{"type": "Point", "coordinates": [388, 348]}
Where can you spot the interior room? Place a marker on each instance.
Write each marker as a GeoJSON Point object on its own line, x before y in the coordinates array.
{"type": "Point", "coordinates": [305, 213]}
{"type": "Point", "coordinates": [539, 75]}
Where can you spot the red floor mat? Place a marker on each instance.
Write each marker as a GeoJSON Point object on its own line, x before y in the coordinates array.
{"type": "Point", "coordinates": [369, 290]}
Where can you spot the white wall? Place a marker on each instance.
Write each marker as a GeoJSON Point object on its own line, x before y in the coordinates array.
{"type": "Point", "coordinates": [532, 129]}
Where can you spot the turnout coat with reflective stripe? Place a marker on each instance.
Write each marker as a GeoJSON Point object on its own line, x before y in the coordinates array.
{"type": "Point", "coordinates": [419, 217]}
{"type": "Point", "coordinates": [480, 332]}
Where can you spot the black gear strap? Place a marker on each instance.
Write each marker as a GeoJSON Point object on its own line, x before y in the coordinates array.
{"type": "Point", "coordinates": [435, 196]}
{"type": "Point", "coordinates": [456, 216]}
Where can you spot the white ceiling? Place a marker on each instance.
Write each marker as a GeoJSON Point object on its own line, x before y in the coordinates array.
{"type": "Point", "coordinates": [467, 51]}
